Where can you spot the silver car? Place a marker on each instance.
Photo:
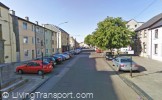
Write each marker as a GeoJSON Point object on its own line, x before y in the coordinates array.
{"type": "Point", "coordinates": [124, 63]}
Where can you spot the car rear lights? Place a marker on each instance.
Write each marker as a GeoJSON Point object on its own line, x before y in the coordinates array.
{"type": "Point", "coordinates": [122, 65]}
{"type": "Point", "coordinates": [59, 59]}
{"type": "Point", "coordinates": [135, 65]}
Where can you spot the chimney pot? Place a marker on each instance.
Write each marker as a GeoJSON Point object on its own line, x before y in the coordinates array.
{"type": "Point", "coordinates": [36, 22]}
{"type": "Point", "coordinates": [27, 18]}
{"type": "Point", "coordinates": [12, 12]}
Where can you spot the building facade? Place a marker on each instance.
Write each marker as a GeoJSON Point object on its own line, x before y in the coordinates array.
{"type": "Point", "coordinates": [132, 25]}
{"type": "Point", "coordinates": [26, 39]}
{"type": "Point", "coordinates": [22, 40]}
{"type": "Point", "coordinates": [54, 42]}
{"type": "Point", "coordinates": [40, 40]}
{"type": "Point", "coordinates": [62, 38]}
{"type": "Point", "coordinates": [72, 43]}
{"type": "Point", "coordinates": [56, 38]}
{"type": "Point", "coordinates": [143, 33]}
{"type": "Point", "coordinates": [65, 46]}
{"type": "Point", "coordinates": [155, 41]}
{"type": "Point", "coordinates": [82, 44]}
{"type": "Point", "coordinates": [48, 42]}
{"type": "Point", "coordinates": [7, 36]}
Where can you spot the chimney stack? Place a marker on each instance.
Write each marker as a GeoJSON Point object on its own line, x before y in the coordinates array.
{"type": "Point", "coordinates": [36, 22]}
{"type": "Point", "coordinates": [27, 18]}
{"type": "Point", "coordinates": [12, 12]}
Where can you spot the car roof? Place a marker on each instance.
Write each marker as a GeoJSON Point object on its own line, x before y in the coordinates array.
{"type": "Point", "coordinates": [123, 57]}
{"type": "Point", "coordinates": [36, 61]}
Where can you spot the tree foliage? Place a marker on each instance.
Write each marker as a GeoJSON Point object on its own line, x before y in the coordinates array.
{"type": "Point", "coordinates": [89, 40]}
{"type": "Point", "coordinates": [110, 33]}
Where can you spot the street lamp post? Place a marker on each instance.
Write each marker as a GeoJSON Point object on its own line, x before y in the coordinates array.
{"type": "Point", "coordinates": [133, 41]}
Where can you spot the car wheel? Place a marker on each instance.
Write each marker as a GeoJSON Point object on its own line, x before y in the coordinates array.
{"type": "Point", "coordinates": [40, 72]}
{"type": "Point", "coordinates": [20, 71]}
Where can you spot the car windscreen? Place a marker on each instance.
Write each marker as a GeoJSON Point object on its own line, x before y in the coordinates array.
{"type": "Point", "coordinates": [126, 60]}
{"type": "Point", "coordinates": [53, 59]}
{"type": "Point", "coordinates": [46, 59]}
{"type": "Point", "coordinates": [45, 63]}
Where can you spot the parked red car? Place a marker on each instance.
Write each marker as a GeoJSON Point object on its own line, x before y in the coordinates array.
{"type": "Point", "coordinates": [98, 51]}
{"type": "Point", "coordinates": [35, 67]}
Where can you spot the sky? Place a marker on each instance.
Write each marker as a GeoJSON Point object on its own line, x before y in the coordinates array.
{"type": "Point", "coordinates": [83, 15]}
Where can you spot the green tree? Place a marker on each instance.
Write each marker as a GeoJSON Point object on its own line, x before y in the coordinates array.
{"type": "Point", "coordinates": [112, 33]}
{"type": "Point", "coordinates": [88, 39]}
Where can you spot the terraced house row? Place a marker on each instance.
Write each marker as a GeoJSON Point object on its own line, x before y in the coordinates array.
{"type": "Point", "coordinates": [22, 40]}
{"type": "Point", "coordinates": [150, 34]}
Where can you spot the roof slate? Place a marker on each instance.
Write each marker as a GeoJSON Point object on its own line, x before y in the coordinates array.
{"type": "Point", "coordinates": [1, 4]}
{"type": "Point", "coordinates": [150, 22]}
{"type": "Point", "coordinates": [158, 24]}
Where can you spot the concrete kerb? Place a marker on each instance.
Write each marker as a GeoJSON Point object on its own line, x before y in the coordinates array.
{"type": "Point", "coordinates": [37, 86]}
{"type": "Point", "coordinates": [137, 89]}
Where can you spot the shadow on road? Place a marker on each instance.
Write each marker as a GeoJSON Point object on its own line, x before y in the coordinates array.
{"type": "Point", "coordinates": [83, 77]}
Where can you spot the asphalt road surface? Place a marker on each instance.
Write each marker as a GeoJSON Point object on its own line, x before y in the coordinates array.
{"type": "Point", "coordinates": [86, 77]}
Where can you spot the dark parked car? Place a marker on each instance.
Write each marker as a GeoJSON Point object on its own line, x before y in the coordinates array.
{"type": "Point", "coordinates": [109, 56]}
{"type": "Point", "coordinates": [68, 53]}
{"type": "Point", "coordinates": [63, 57]}
{"type": "Point", "coordinates": [51, 59]}
{"type": "Point", "coordinates": [73, 52]}
{"type": "Point", "coordinates": [58, 59]}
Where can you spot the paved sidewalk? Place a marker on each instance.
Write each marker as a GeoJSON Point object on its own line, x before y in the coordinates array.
{"type": "Point", "coordinates": [148, 80]}
{"type": "Point", "coordinates": [35, 81]}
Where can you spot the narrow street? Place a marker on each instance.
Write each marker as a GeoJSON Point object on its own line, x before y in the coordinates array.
{"type": "Point", "coordinates": [88, 74]}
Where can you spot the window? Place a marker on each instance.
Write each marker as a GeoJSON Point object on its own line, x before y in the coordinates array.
{"type": "Point", "coordinates": [38, 51]}
{"type": "Point", "coordinates": [144, 47]}
{"type": "Point", "coordinates": [38, 40]}
{"type": "Point", "coordinates": [156, 33]}
{"type": "Point", "coordinates": [37, 29]}
{"type": "Point", "coordinates": [128, 26]}
{"type": "Point", "coordinates": [33, 40]}
{"type": "Point", "coordinates": [156, 48]}
{"type": "Point", "coordinates": [125, 60]}
{"type": "Point", "coordinates": [52, 41]}
{"type": "Point", "coordinates": [46, 50]}
{"type": "Point", "coordinates": [0, 31]}
{"type": "Point", "coordinates": [53, 49]}
{"type": "Point", "coordinates": [46, 41]}
{"type": "Point", "coordinates": [52, 33]}
{"type": "Point", "coordinates": [30, 64]}
{"type": "Point", "coordinates": [25, 39]}
{"type": "Point", "coordinates": [36, 64]}
{"type": "Point", "coordinates": [135, 25]}
{"type": "Point", "coordinates": [33, 28]}
{"type": "Point", "coordinates": [24, 26]}
{"type": "Point", "coordinates": [145, 34]}
{"type": "Point", "coordinates": [26, 52]}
